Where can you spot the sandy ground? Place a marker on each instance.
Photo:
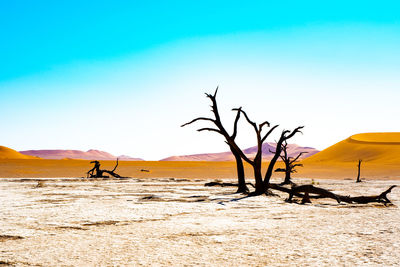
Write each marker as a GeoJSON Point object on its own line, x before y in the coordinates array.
{"type": "Point", "coordinates": [189, 169]}
{"type": "Point", "coordinates": [179, 222]}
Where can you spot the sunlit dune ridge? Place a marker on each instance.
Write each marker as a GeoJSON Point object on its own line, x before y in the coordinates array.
{"type": "Point", "coordinates": [381, 148]}
{"type": "Point", "coordinates": [8, 153]}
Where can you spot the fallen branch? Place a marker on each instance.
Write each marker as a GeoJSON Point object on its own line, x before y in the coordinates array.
{"type": "Point", "coordinates": [310, 189]}
{"type": "Point", "coordinates": [304, 191]}
{"type": "Point", "coordinates": [323, 193]}
{"type": "Point", "coordinates": [96, 172]}
{"type": "Point", "coordinates": [381, 198]}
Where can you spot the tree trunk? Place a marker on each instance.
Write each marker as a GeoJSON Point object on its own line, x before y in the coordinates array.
{"type": "Point", "coordinates": [242, 187]}
{"type": "Point", "coordinates": [112, 173]}
{"type": "Point", "coordinates": [271, 165]}
{"type": "Point", "coordinates": [287, 177]}
{"type": "Point", "coordinates": [260, 188]}
{"type": "Point", "coordinates": [359, 171]}
{"type": "Point", "coordinates": [277, 154]}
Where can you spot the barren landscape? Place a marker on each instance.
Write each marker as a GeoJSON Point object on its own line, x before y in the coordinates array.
{"type": "Point", "coordinates": [163, 214]}
{"type": "Point", "coordinates": [179, 222]}
{"type": "Point", "coordinates": [199, 133]}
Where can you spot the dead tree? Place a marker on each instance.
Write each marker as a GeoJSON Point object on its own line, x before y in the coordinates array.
{"type": "Point", "coordinates": [285, 135]}
{"type": "Point", "coordinates": [229, 138]}
{"type": "Point", "coordinates": [260, 184]}
{"type": "Point", "coordinates": [381, 198]}
{"type": "Point", "coordinates": [290, 163]}
{"type": "Point", "coordinates": [256, 162]}
{"type": "Point", "coordinates": [308, 192]}
{"type": "Point", "coordinates": [96, 172]}
{"type": "Point", "coordinates": [323, 193]}
{"type": "Point", "coordinates": [359, 171]}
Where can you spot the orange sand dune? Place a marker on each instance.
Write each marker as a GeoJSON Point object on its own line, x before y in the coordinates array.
{"type": "Point", "coordinates": [42, 168]}
{"type": "Point", "coordinates": [380, 153]}
{"type": "Point", "coordinates": [376, 148]}
{"type": "Point", "coordinates": [8, 153]}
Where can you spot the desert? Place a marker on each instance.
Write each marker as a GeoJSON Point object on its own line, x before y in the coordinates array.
{"type": "Point", "coordinates": [163, 214]}
{"type": "Point", "coordinates": [199, 133]}
{"type": "Point", "coordinates": [381, 160]}
{"type": "Point", "coordinates": [179, 222]}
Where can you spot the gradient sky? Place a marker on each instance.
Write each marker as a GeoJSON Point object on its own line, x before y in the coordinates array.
{"type": "Point", "coordinates": [122, 76]}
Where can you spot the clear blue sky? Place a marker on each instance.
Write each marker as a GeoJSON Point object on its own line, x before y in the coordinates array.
{"type": "Point", "coordinates": [140, 69]}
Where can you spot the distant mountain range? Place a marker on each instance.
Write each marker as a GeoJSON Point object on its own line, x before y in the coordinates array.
{"type": "Point", "coordinates": [378, 148]}
{"type": "Point", "coordinates": [7, 153]}
{"type": "Point", "coordinates": [293, 150]}
{"type": "Point", "coordinates": [76, 154]}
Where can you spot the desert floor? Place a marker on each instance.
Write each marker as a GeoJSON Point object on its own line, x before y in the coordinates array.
{"type": "Point", "coordinates": [25, 168]}
{"type": "Point", "coordinates": [179, 222]}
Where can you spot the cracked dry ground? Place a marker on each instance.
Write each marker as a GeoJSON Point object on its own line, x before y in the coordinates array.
{"type": "Point", "coordinates": [179, 222]}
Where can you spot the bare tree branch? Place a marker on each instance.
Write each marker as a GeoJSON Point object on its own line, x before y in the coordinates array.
{"type": "Point", "coordinates": [297, 130]}
{"type": "Point", "coordinates": [282, 145]}
{"type": "Point", "coordinates": [216, 91]}
{"type": "Point", "coordinates": [209, 129]}
{"type": "Point", "coordinates": [248, 119]}
{"type": "Point", "coordinates": [298, 156]}
{"type": "Point", "coordinates": [233, 136]}
{"type": "Point", "coordinates": [269, 132]}
{"type": "Point", "coordinates": [198, 119]}
{"type": "Point", "coordinates": [214, 108]}
{"type": "Point", "coordinates": [116, 165]}
{"type": "Point", "coordinates": [297, 165]}
{"type": "Point", "coordinates": [242, 155]}
{"type": "Point", "coordinates": [262, 125]}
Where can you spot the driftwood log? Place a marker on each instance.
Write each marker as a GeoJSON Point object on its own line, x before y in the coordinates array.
{"type": "Point", "coordinates": [96, 172]}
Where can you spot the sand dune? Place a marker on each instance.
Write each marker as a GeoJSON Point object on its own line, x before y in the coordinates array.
{"type": "Point", "coordinates": [8, 153]}
{"type": "Point", "coordinates": [188, 169]}
{"type": "Point", "coordinates": [293, 150]}
{"type": "Point", "coordinates": [378, 148]}
{"type": "Point", "coordinates": [380, 153]}
{"type": "Point", "coordinates": [91, 154]}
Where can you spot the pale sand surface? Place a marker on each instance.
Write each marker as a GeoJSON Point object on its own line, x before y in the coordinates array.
{"type": "Point", "coordinates": [179, 222]}
{"type": "Point", "coordinates": [189, 169]}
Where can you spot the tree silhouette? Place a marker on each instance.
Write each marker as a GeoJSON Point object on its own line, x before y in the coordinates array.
{"type": "Point", "coordinates": [229, 138]}
{"type": "Point", "coordinates": [290, 163]}
{"type": "Point", "coordinates": [261, 186]}
{"type": "Point", "coordinates": [285, 135]}
{"type": "Point", "coordinates": [96, 172]}
{"type": "Point", "coordinates": [256, 162]}
{"type": "Point", "coordinates": [359, 171]}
